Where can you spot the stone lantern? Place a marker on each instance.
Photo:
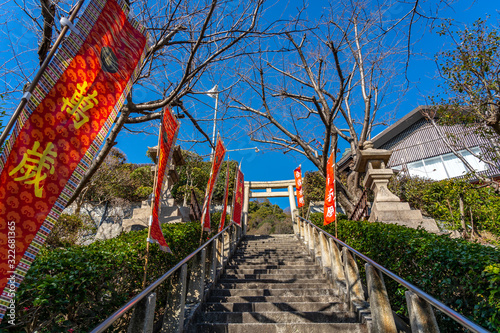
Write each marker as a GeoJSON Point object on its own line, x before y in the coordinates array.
{"type": "Point", "coordinates": [387, 207]}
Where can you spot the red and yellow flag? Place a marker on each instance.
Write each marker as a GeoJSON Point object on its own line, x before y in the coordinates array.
{"type": "Point", "coordinates": [220, 151]}
{"type": "Point", "coordinates": [298, 186]}
{"type": "Point", "coordinates": [238, 198]}
{"type": "Point", "coordinates": [168, 134]}
{"type": "Point", "coordinates": [61, 129]}
{"type": "Point", "coordinates": [330, 200]}
{"type": "Point", "coordinates": [224, 204]}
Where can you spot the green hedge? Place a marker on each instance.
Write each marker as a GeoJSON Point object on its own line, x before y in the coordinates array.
{"type": "Point", "coordinates": [463, 275]}
{"type": "Point", "coordinates": [440, 200]}
{"type": "Point", "coordinates": [75, 288]}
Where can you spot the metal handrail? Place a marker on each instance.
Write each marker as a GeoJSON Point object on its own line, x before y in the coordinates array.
{"type": "Point", "coordinates": [437, 304]}
{"type": "Point", "coordinates": [136, 299]}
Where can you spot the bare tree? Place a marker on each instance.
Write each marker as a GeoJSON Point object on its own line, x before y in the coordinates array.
{"type": "Point", "coordinates": [330, 84]}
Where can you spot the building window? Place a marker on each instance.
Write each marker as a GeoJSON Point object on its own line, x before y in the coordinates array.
{"type": "Point", "coordinates": [446, 166]}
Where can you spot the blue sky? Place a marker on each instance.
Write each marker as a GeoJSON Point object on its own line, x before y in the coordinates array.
{"type": "Point", "coordinates": [269, 165]}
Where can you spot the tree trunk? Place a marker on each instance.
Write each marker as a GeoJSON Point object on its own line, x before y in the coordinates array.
{"type": "Point", "coordinates": [462, 217]}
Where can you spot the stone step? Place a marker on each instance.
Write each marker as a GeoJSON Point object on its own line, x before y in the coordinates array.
{"type": "Point", "coordinates": [277, 267]}
{"type": "Point", "coordinates": [271, 246]}
{"type": "Point", "coordinates": [273, 299]}
{"type": "Point", "coordinates": [269, 251]}
{"type": "Point", "coordinates": [288, 270]}
{"type": "Point", "coordinates": [303, 284]}
{"type": "Point", "coordinates": [274, 277]}
{"type": "Point", "coordinates": [273, 292]}
{"type": "Point", "coordinates": [327, 307]}
{"type": "Point", "coordinates": [263, 261]}
{"type": "Point", "coordinates": [274, 256]}
{"type": "Point", "coordinates": [279, 317]}
{"type": "Point", "coordinates": [282, 328]}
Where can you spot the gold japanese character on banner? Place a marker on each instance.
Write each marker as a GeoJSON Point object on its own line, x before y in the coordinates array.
{"type": "Point", "coordinates": [33, 164]}
{"type": "Point", "coordinates": [79, 104]}
{"type": "Point", "coordinates": [331, 211]}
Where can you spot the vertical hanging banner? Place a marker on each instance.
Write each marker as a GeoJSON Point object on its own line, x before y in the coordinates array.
{"type": "Point", "coordinates": [168, 134]}
{"type": "Point", "coordinates": [330, 200]}
{"type": "Point", "coordinates": [224, 204]}
{"type": "Point", "coordinates": [220, 151]}
{"type": "Point", "coordinates": [298, 186]}
{"type": "Point", "coordinates": [238, 198]}
{"type": "Point", "coordinates": [60, 130]}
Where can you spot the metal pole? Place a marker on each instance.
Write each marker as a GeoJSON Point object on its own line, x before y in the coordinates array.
{"type": "Point", "coordinates": [215, 122]}
{"type": "Point", "coordinates": [38, 75]}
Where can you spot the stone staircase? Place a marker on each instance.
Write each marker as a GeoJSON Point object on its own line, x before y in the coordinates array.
{"type": "Point", "coordinates": [271, 284]}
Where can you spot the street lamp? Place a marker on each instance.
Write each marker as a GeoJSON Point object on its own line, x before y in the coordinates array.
{"type": "Point", "coordinates": [256, 149]}
{"type": "Point", "coordinates": [214, 93]}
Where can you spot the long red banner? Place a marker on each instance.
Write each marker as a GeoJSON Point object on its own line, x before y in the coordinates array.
{"type": "Point", "coordinates": [60, 131]}
{"type": "Point", "coordinates": [298, 186]}
{"type": "Point", "coordinates": [220, 151]}
{"type": "Point", "coordinates": [168, 134]}
{"type": "Point", "coordinates": [224, 204]}
{"type": "Point", "coordinates": [330, 200]}
{"type": "Point", "coordinates": [238, 198]}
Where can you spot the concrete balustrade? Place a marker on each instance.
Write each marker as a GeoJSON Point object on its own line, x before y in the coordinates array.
{"type": "Point", "coordinates": [338, 277]}
{"type": "Point", "coordinates": [422, 319]}
{"type": "Point", "coordinates": [342, 269]}
{"type": "Point", "coordinates": [173, 319]}
{"type": "Point", "coordinates": [383, 320]}
{"type": "Point", "coordinates": [355, 293]}
{"type": "Point", "coordinates": [187, 287]}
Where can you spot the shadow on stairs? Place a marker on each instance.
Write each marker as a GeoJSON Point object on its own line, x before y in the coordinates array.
{"type": "Point", "coordinates": [272, 284]}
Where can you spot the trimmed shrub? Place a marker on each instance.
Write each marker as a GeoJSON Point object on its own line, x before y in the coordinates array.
{"type": "Point", "coordinates": [74, 289]}
{"type": "Point", "coordinates": [441, 200]}
{"type": "Point", "coordinates": [463, 275]}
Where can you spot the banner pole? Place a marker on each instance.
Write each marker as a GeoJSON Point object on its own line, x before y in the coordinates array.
{"type": "Point", "coordinates": [335, 187]}
{"type": "Point", "coordinates": [155, 184]}
{"type": "Point", "coordinates": [48, 58]}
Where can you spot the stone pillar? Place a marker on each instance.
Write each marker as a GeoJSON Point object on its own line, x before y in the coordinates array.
{"type": "Point", "coordinates": [291, 197]}
{"type": "Point", "coordinates": [422, 317]}
{"type": "Point", "coordinates": [173, 319]}
{"type": "Point", "coordinates": [245, 209]}
{"type": "Point", "coordinates": [143, 316]}
{"type": "Point", "coordinates": [382, 317]}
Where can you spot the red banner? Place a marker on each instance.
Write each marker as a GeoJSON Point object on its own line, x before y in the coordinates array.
{"type": "Point", "coordinates": [330, 200]}
{"type": "Point", "coordinates": [298, 186]}
{"type": "Point", "coordinates": [220, 151]}
{"type": "Point", "coordinates": [61, 129]}
{"type": "Point", "coordinates": [238, 198]}
{"type": "Point", "coordinates": [224, 204]}
{"type": "Point", "coordinates": [168, 134]}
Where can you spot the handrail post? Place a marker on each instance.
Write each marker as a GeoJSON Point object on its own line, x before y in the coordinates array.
{"type": "Point", "coordinates": [422, 319]}
{"type": "Point", "coordinates": [173, 319]}
{"type": "Point", "coordinates": [143, 316]}
{"type": "Point", "coordinates": [196, 282]}
{"type": "Point", "coordinates": [382, 317]}
{"type": "Point", "coordinates": [310, 242]}
{"type": "Point", "coordinates": [326, 257]}
{"type": "Point", "coordinates": [317, 248]}
{"type": "Point", "coordinates": [338, 275]}
{"type": "Point", "coordinates": [213, 270]}
{"type": "Point", "coordinates": [301, 231]}
{"type": "Point", "coordinates": [355, 291]}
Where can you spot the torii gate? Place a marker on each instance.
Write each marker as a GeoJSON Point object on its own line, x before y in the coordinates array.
{"type": "Point", "coordinates": [269, 193]}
